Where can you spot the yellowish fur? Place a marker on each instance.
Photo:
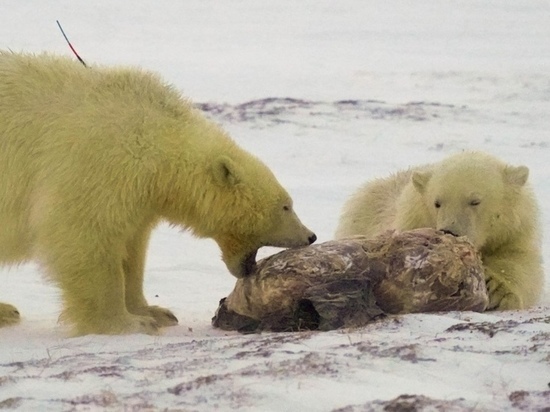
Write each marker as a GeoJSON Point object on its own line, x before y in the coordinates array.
{"type": "Point", "coordinates": [91, 159]}
{"type": "Point", "coordinates": [9, 315]}
{"type": "Point", "coordinates": [478, 196]}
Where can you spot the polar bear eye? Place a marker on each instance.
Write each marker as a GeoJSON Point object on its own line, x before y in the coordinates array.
{"type": "Point", "coordinates": [475, 202]}
{"type": "Point", "coordinates": [286, 208]}
{"type": "Point", "coordinates": [437, 204]}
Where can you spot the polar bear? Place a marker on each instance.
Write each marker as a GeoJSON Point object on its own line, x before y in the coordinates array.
{"type": "Point", "coordinates": [91, 159]}
{"type": "Point", "coordinates": [470, 194]}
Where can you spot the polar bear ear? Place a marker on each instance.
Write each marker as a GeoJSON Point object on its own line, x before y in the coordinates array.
{"type": "Point", "coordinates": [516, 176]}
{"type": "Point", "coordinates": [226, 171]}
{"type": "Point", "coordinates": [420, 180]}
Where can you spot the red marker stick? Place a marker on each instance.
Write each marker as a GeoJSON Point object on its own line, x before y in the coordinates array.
{"type": "Point", "coordinates": [70, 45]}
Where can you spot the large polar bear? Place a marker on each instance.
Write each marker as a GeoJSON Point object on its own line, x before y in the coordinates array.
{"type": "Point", "coordinates": [91, 159]}
{"type": "Point", "coordinates": [469, 194]}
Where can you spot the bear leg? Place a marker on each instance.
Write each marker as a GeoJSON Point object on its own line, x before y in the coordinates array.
{"type": "Point", "coordinates": [134, 268]}
{"type": "Point", "coordinates": [87, 265]}
{"type": "Point", "coordinates": [501, 296]}
{"type": "Point", "coordinates": [9, 315]}
{"type": "Point", "coordinates": [503, 283]}
{"type": "Point", "coordinates": [515, 279]}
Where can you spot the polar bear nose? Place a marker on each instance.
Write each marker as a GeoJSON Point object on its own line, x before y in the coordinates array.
{"type": "Point", "coordinates": [312, 238]}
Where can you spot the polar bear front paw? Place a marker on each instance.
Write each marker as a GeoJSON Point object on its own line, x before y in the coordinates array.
{"type": "Point", "coordinates": [130, 324]}
{"type": "Point", "coordinates": [9, 315]}
{"type": "Point", "coordinates": [501, 297]}
{"type": "Point", "coordinates": [163, 316]}
{"type": "Point", "coordinates": [124, 324]}
{"type": "Point", "coordinates": [144, 324]}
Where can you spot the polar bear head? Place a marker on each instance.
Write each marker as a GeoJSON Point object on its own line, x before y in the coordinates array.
{"type": "Point", "coordinates": [243, 208]}
{"type": "Point", "coordinates": [472, 194]}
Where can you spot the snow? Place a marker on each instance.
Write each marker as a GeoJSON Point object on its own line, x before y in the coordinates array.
{"type": "Point", "coordinates": [329, 95]}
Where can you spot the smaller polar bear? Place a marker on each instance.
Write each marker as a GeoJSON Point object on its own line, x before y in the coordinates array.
{"type": "Point", "coordinates": [469, 194]}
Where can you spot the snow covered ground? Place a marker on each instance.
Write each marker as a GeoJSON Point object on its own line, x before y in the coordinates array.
{"type": "Point", "coordinates": [328, 94]}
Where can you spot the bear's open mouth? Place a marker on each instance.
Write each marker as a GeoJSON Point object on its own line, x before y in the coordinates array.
{"type": "Point", "coordinates": [249, 263]}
